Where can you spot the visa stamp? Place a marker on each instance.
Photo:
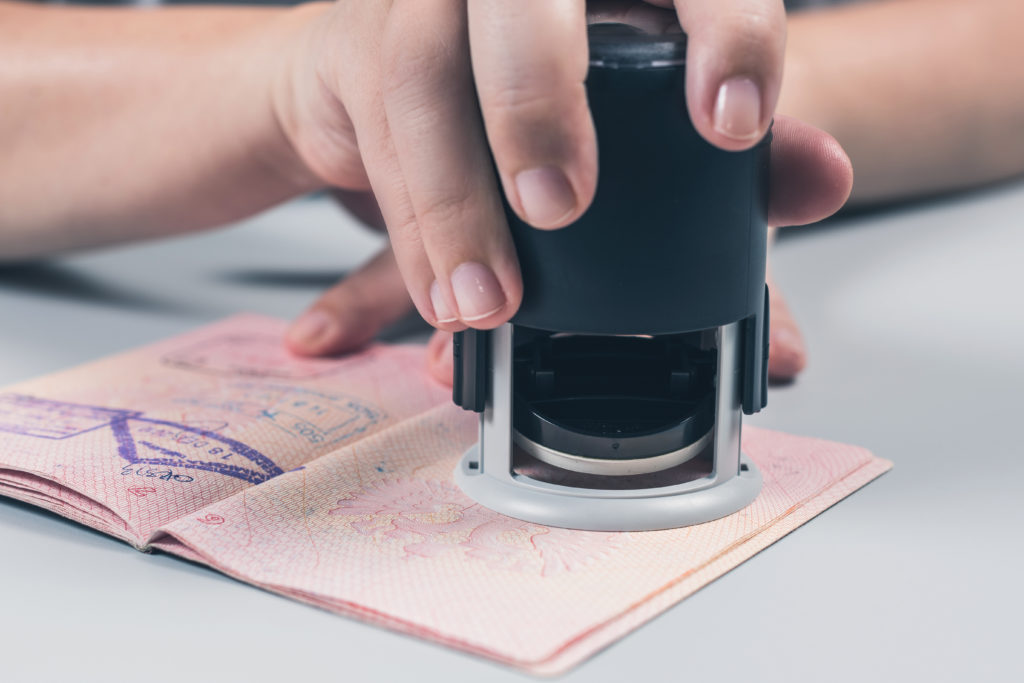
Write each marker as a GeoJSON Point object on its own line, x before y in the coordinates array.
{"type": "Point", "coordinates": [167, 444]}
{"type": "Point", "coordinates": [249, 356]}
{"type": "Point", "coordinates": [318, 417]}
{"type": "Point", "coordinates": [47, 419]}
{"type": "Point", "coordinates": [140, 440]}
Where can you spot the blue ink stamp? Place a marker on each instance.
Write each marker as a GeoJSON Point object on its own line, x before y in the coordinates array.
{"type": "Point", "coordinates": [321, 418]}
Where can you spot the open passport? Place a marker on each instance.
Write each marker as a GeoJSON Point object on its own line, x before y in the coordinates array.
{"type": "Point", "coordinates": [330, 481]}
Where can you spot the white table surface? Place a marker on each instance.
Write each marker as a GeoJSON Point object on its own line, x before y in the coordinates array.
{"type": "Point", "coordinates": [915, 323]}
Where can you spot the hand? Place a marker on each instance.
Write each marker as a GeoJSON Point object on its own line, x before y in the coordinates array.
{"type": "Point", "coordinates": [411, 98]}
{"type": "Point", "coordinates": [811, 178]}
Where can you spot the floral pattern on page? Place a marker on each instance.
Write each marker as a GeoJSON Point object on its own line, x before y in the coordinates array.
{"type": "Point", "coordinates": [379, 531]}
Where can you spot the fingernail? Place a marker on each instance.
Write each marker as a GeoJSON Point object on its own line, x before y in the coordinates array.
{"type": "Point", "coordinates": [441, 310]}
{"type": "Point", "coordinates": [738, 109]}
{"type": "Point", "coordinates": [477, 292]}
{"type": "Point", "coordinates": [546, 195]}
{"type": "Point", "coordinates": [314, 327]}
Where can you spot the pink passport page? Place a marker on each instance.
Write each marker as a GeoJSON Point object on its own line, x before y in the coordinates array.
{"type": "Point", "coordinates": [330, 481]}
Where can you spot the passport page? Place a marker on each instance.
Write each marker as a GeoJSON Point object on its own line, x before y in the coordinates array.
{"type": "Point", "coordinates": [330, 481]}
{"type": "Point", "coordinates": [134, 441]}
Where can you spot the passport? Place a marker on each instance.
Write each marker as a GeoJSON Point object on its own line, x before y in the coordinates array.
{"type": "Point", "coordinates": [330, 481]}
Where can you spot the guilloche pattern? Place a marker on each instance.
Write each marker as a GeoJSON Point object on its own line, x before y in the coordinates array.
{"type": "Point", "coordinates": [151, 435]}
{"type": "Point", "coordinates": [330, 482]}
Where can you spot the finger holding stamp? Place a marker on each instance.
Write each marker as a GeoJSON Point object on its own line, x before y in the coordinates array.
{"type": "Point", "coordinates": [734, 63]}
{"type": "Point", "coordinates": [440, 146]}
{"type": "Point", "coordinates": [530, 63]}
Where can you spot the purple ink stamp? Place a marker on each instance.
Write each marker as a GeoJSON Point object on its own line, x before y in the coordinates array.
{"type": "Point", "coordinates": [140, 440]}
{"type": "Point", "coordinates": [46, 419]}
{"type": "Point", "coordinates": [148, 441]}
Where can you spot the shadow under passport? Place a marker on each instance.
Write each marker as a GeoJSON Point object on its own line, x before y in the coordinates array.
{"type": "Point", "coordinates": [61, 281]}
{"type": "Point", "coordinates": [299, 279]}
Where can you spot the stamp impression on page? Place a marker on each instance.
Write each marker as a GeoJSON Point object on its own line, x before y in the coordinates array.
{"type": "Point", "coordinates": [140, 440]}
{"type": "Point", "coordinates": [251, 355]}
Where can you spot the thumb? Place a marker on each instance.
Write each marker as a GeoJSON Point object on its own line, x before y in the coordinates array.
{"type": "Point", "coordinates": [352, 312]}
{"type": "Point", "coordinates": [440, 362]}
{"type": "Point", "coordinates": [787, 355]}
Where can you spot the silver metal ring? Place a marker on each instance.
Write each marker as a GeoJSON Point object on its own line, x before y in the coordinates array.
{"type": "Point", "coordinates": [616, 468]}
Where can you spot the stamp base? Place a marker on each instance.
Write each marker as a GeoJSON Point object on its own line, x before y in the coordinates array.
{"type": "Point", "coordinates": [600, 510]}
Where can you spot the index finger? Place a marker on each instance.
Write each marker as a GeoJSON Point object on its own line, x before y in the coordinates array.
{"type": "Point", "coordinates": [529, 64]}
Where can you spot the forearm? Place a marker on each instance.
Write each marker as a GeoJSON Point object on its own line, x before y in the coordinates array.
{"type": "Point", "coordinates": [924, 95]}
{"type": "Point", "coordinates": [123, 124]}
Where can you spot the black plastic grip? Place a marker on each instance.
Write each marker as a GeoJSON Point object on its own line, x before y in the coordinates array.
{"type": "Point", "coordinates": [755, 360]}
{"type": "Point", "coordinates": [469, 383]}
{"type": "Point", "coordinates": [675, 238]}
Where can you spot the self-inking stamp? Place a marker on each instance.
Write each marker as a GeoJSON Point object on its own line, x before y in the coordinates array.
{"type": "Point", "coordinates": [613, 400]}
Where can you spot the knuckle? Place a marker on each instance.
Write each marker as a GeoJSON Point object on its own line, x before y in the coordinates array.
{"type": "Point", "coordinates": [438, 215]}
{"type": "Point", "coordinates": [753, 30]}
{"type": "Point", "coordinates": [532, 117]}
{"type": "Point", "coordinates": [519, 100]}
{"type": "Point", "coordinates": [528, 84]}
{"type": "Point", "coordinates": [404, 73]}
{"type": "Point", "coordinates": [405, 235]}
{"type": "Point", "coordinates": [417, 56]}
{"type": "Point", "coordinates": [408, 63]}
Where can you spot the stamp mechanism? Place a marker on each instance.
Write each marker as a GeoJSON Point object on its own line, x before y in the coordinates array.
{"type": "Point", "coordinates": [613, 400]}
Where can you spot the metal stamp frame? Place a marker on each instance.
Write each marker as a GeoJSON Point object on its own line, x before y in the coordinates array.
{"type": "Point", "coordinates": [485, 472]}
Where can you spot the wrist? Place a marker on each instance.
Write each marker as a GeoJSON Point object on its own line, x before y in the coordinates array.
{"type": "Point", "coordinates": [292, 87]}
{"type": "Point", "coordinates": [284, 51]}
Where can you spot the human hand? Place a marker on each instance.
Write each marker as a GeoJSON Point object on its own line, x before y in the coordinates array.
{"type": "Point", "coordinates": [413, 99]}
{"type": "Point", "coordinates": [810, 178]}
